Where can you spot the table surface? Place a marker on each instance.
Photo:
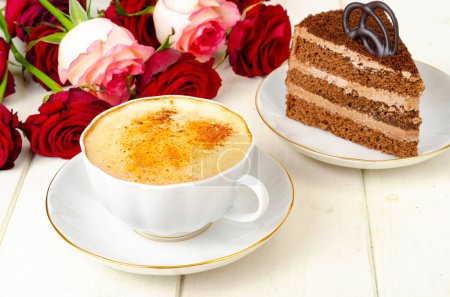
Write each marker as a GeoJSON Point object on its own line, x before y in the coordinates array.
{"type": "Point", "coordinates": [351, 232]}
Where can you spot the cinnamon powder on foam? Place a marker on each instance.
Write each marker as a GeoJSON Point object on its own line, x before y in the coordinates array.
{"type": "Point", "coordinates": [156, 144]}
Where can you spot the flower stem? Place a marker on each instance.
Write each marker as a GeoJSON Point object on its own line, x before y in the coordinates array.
{"type": "Point", "coordinates": [57, 14]}
{"type": "Point", "coordinates": [3, 86]}
{"type": "Point", "coordinates": [4, 28]}
{"type": "Point", "coordinates": [54, 86]}
{"type": "Point", "coordinates": [221, 60]}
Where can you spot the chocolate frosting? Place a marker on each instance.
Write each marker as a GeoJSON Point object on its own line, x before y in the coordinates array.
{"type": "Point", "coordinates": [328, 26]}
{"type": "Point", "coordinates": [371, 40]}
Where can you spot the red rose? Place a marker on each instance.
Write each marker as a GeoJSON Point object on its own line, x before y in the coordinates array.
{"type": "Point", "coordinates": [22, 14]}
{"type": "Point", "coordinates": [55, 131]}
{"type": "Point", "coordinates": [44, 55]}
{"type": "Point", "coordinates": [171, 72]}
{"type": "Point", "coordinates": [4, 54]}
{"type": "Point", "coordinates": [141, 26]}
{"type": "Point", "coordinates": [243, 4]}
{"type": "Point", "coordinates": [260, 43]}
{"type": "Point", "coordinates": [10, 139]}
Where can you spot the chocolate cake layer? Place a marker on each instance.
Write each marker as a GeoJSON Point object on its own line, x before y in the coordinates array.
{"type": "Point", "coordinates": [312, 115]}
{"type": "Point", "coordinates": [338, 65]}
{"type": "Point", "coordinates": [328, 26]}
{"type": "Point", "coordinates": [361, 118]}
{"type": "Point", "coordinates": [378, 95]}
{"type": "Point", "coordinates": [392, 115]}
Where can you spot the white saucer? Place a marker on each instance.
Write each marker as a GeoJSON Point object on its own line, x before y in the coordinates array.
{"type": "Point", "coordinates": [326, 147]}
{"type": "Point", "coordinates": [83, 223]}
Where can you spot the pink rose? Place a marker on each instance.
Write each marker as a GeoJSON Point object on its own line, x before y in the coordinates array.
{"type": "Point", "coordinates": [200, 25]}
{"type": "Point", "coordinates": [100, 54]}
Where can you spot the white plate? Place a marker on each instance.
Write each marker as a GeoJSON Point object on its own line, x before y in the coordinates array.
{"type": "Point", "coordinates": [83, 223]}
{"type": "Point", "coordinates": [324, 146]}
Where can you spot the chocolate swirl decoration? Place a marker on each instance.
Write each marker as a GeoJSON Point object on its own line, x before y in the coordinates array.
{"type": "Point", "coordinates": [374, 44]}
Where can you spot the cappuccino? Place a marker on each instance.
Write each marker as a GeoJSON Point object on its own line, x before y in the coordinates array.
{"type": "Point", "coordinates": [167, 141]}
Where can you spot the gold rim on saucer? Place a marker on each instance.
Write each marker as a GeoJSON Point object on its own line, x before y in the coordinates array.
{"type": "Point", "coordinates": [216, 260]}
{"type": "Point", "coordinates": [435, 152]}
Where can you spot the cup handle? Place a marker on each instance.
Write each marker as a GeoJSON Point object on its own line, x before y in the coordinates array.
{"type": "Point", "coordinates": [261, 194]}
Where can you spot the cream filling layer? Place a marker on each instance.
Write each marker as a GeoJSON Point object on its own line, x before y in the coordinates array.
{"type": "Point", "coordinates": [358, 61]}
{"type": "Point", "coordinates": [359, 118]}
{"type": "Point", "coordinates": [390, 98]}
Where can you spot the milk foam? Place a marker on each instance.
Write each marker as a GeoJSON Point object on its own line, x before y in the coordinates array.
{"type": "Point", "coordinates": [167, 141]}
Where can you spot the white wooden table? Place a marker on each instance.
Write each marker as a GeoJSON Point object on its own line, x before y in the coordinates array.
{"type": "Point", "coordinates": [351, 232]}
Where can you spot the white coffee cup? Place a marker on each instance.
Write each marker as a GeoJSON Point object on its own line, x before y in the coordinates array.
{"type": "Point", "coordinates": [176, 210]}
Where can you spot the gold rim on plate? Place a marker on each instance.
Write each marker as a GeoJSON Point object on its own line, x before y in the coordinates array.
{"type": "Point", "coordinates": [310, 150]}
{"type": "Point", "coordinates": [212, 261]}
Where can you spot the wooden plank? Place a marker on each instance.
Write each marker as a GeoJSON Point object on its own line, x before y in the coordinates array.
{"type": "Point", "coordinates": [35, 261]}
{"type": "Point", "coordinates": [322, 250]}
{"type": "Point", "coordinates": [25, 101]}
{"type": "Point", "coordinates": [10, 184]}
{"type": "Point", "coordinates": [409, 211]}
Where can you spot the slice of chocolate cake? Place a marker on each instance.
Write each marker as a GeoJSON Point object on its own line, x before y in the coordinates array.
{"type": "Point", "coordinates": [336, 84]}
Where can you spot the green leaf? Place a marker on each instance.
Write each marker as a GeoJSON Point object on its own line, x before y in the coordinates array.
{"type": "Point", "coordinates": [14, 64]}
{"type": "Point", "coordinates": [62, 29]}
{"type": "Point", "coordinates": [121, 11]}
{"type": "Point", "coordinates": [54, 38]}
{"type": "Point", "coordinates": [65, 14]}
{"type": "Point", "coordinates": [166, 43]}
{"type": "Point", "coordinates": [248, 8]}
{"type": "Point", "coordinates": [100, 89]}
{"type": "Point", "coordinates": [88, 10]}
{"type": "Point", "coordinates": [147, 10]}
{"type": "Point", "coordinates": [77, 13]}
{"type": "Point", "coordinates": [4, 28]}
{"type": "Point", "coordinates": [46, 98]}
{"type": "Point", "coordinates": [101, 13]}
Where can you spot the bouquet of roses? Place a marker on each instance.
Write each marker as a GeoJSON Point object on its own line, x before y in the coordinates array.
{"type": "Point", "coordinates": [134, 48]}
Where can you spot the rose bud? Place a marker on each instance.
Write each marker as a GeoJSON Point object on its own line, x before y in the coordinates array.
{"type": "Point", "coordinates": [44, 55]}
{"type": "Point", "coordinates": [141, 26]}
{"type": "Point", "coordinates": [4, 54]}
{"type": "Point", "coordinates": [171, 72]}
{"type": "Point", "coordinates": [55, 131]}
{"type": "Point", "coordinates": [10, 139]}
{"type": "Point", "coordinates": [260, 43]}
{"type": "Point", "coordinates": [100, 54]}
{"type": "Point", "coordinates": [22, 14]}
{"type": "Point", "coordinates": [200, 25]}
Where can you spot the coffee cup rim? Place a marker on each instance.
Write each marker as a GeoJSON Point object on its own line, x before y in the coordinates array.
{"type": "Point", "coordinates": [175, 185]}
